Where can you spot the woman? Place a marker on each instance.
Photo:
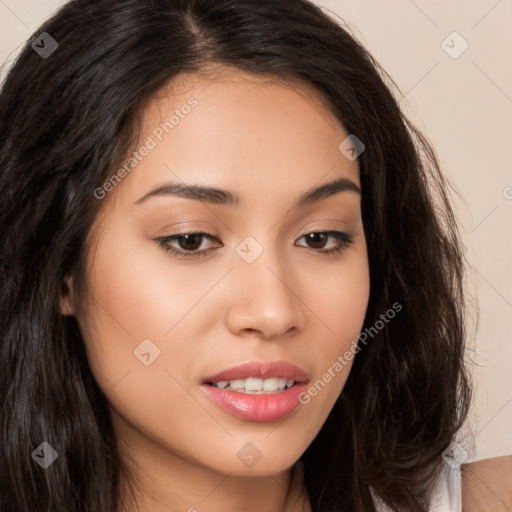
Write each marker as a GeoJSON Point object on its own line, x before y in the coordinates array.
{"type": "Point", "coordinates": [232, 277]}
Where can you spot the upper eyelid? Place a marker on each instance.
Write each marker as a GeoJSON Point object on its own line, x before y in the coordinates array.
{"type": "Point", "coordinates": [213, 232]}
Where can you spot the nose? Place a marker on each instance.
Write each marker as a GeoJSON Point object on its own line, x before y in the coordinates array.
{"type": "Point", "coordinates": [265, 298]}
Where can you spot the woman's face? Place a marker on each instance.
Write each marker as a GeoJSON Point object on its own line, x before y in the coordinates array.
{"type": "Point", "coordinates": [258, 288]}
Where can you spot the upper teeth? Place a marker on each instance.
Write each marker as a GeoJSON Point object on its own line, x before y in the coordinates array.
{"type": "Point", "coordinates": [255, 384]}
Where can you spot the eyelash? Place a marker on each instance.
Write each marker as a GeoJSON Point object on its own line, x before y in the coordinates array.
{"type": "Point", "coordinates": [343, 238]}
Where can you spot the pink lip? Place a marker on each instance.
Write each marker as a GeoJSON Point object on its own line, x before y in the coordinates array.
{"type": "Point", "coordinates": [258, 408]}
{"type": "Point", "coordinates": [261, 371]}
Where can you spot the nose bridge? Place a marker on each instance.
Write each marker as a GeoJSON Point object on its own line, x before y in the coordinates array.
{"type": "Point", "coordinates": [262, 266]}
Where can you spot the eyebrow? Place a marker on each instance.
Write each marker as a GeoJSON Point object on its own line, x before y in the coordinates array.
{"type": "Point", "coordinates": [218, 196]}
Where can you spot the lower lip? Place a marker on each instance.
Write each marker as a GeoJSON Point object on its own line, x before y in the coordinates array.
{"type": "Point", "coordinates": [260, 408]}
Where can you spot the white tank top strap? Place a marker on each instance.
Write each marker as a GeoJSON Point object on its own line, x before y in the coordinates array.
{"type": "Point", "coordinates": [448, 492]}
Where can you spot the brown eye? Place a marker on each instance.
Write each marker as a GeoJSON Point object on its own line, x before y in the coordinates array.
{"type": "Point", "coordinates": [187, 245]}
{"type": "Point", "coordinates": [317, 240]}
{"type": "Point", "coordinates": [190, 242]}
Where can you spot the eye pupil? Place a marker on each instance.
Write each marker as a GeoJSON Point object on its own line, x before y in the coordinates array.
{"type": "Point", "coordinates": [317, 238]}
{"type": "Point", "coordinates": [190, 238]}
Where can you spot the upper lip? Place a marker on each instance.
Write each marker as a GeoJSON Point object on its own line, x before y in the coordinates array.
{"type": "Point", "coordinates": [260, 370]}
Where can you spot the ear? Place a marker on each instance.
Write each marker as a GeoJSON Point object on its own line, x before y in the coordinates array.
{"type": "Point", "coordinates": [66, 302]}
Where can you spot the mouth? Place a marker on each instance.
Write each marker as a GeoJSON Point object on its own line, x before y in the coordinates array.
{"type": "Point", "coordinates": [256, 377]}
{"type": "Point", "coordinates": [259, 392]}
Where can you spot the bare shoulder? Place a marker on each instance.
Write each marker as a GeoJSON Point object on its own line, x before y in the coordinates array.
{"type": "Point", "coordinates": [487, 485]}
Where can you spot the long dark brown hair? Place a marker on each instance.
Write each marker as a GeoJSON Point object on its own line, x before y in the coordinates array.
{"type": "Point", "coordinates": [65, 122]}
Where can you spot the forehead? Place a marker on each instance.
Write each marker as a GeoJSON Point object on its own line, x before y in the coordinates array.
{"type": "Point", "coordinates": [236, 130]}
{"type": "Point", "coordinates": [227, 84]}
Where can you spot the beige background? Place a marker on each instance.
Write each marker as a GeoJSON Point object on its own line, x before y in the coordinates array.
{"type": "Point", "coordinates": [464, 105]}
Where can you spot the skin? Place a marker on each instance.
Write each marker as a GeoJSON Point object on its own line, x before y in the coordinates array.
{"type": "Point", "coordinates": [269, 143]}
{"type": "Point", "coordinates": [487, 485]}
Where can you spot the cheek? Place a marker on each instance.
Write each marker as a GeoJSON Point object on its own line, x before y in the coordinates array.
{"type": "Point", "coordinates": [135, 298]}
{"type": "Point", "coordinates": [141, 292]}
{"type": "Point", "coordinates": [339, 300]}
